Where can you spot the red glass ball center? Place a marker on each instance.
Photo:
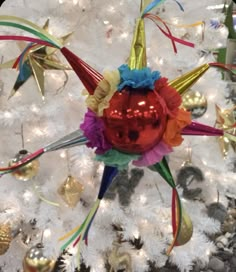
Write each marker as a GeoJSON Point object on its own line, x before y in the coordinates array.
{"type": "Point", "coordinates": [135, 120]}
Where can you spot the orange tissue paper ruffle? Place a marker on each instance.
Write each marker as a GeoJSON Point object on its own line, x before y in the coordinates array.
{"type": "Point", "coordinates": [172, 135]}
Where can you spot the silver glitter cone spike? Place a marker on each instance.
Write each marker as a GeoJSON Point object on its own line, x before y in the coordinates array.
{"type": "Point", "coordinates": [73, 139]}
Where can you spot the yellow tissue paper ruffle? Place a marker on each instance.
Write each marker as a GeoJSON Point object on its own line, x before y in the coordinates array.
{"type": "Point", "coordinates": [104, 92]}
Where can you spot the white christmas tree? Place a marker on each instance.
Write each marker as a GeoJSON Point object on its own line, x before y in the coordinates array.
{"type": "Point", "coordinates": [102, 35]}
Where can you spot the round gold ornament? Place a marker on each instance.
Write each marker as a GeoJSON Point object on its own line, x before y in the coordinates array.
{"type": "Point", "coordinates": [195, 102]}
{"type": "Point", "coordinates": [5, 238]}
{"type": "Point", "coordinates": [186, 230]}
{"type": "Point", "coordinates": [27, 171]}
{"type": "Point", "coordinates": [71, 191]}
{"type": "Point", "coordinates": [36, 261]}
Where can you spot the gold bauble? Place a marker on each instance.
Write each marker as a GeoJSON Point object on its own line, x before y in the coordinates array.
{"type": "Point", "coordinates": [71, 191]}
{"type": "Point", "coordinates": [5, 238]}
{"type": "Point", "coordinates": [195, 102]}
{"type": "Point", "coordinates": [36, 261]}
{"type": "Point", "coordinates": [186, 230]}
{"type": "Point", "coordinates": [27, 171]}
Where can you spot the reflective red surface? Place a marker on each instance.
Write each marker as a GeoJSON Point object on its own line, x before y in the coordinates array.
{"type": "Point", "coordinates": [135, 120]}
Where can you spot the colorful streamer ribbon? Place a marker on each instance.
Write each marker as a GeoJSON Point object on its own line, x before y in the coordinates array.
{"type": "Point", "coordinates": [151, 6]}
{"type": "Point", "coordinates": [19, 61]}
{"type": "Point", "coordinates": [163, 169]}
{"type": "Point", "coordinates": [80, 233]}
{"type": "Point", "coordinates": [186, 25]}
{"type": "Point", "coordinates": [30, 27]}
{"type": "Point", "coordinates": [156, 3]}
{"type": "Point", "coordinates": [226, 67]}
{"type": "Point", "coordinates": [155, 19]}
{"type": "Point", "coordinates": [168, 34]}
{"type": "Point", "coordinates": [73, 139]}
{"type": "Point", "coordinates": [26, 39]}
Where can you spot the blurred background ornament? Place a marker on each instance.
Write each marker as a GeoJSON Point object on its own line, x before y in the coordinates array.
{"type": "Point", "coordinates": [233, 259]}
{"type": "Point", "coordinates": [1, 86]}
{"type": "Point", "coordinates": [225, 120]}
{"type": "Point", "coordinates": [229, 21]}
{"type": "Point", "coordinates": [215, 264]}
{"type": "Point", "coordinates": [124, 186]}
{"type": "Point", "coordinates": [231, 196]}
{"type": "Point", "coordinates": [217, 210]}
{"type": "Point", "coordinates": [36, 260]}
{"type": "Point", "coordinates": [71, 191]}
{"type": "Point", "coordinates": [195, 102]}
{"type": "Point", "coordinates": [192, 193]}
{"type": "Point", "coordinates": [119, 260]}
{"type": "Point", "coordinates": [187, 174]}
{"type": "Point", "coordinates": [231, 94]}
{"type": "Point", "coordinates": [229, 225]}
{"type": "Point", "coordinates": [5, 238]}
{"type": "Point", "coordinates": [222, 240]}
{"type": "Point", "coordinates": [1, 82]}
{"type": "Point", "coordinates": [28, 231]}
{"type": "Point", "coordinates": [27, 171]}
{"type": "Point", "coordinates": [232, 212]}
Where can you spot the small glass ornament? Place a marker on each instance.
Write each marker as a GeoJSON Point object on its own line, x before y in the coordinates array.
{"type": "Point", "coordinates": [36, 260]}
{"type": "Point", "coordinates": [27, 171]}
{"type": "Point", "coordinates": [71, 191]}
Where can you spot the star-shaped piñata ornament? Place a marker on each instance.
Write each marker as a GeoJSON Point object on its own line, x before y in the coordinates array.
{"type": "Point", "coordinates": [34, 61]}
{"type": "Point", "coordinates": [225, 120]}
{"type": "Point", "coordinates": [134, 116]}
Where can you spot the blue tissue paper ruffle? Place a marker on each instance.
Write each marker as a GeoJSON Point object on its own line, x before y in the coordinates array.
{"type": "Point", "coordinates": [144, 78]}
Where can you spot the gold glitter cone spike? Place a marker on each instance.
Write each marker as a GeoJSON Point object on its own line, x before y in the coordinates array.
{"type": "Point", "coordinates": [5, 238]}
{"type": "Point", "coordinates": [184, 82]}
{"type": "Point", "coordinates": [71, 191]}
{"type": "Point", "coordinates": [138, 58]}
{"type": "Point", "coordinates": [186, 230]}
